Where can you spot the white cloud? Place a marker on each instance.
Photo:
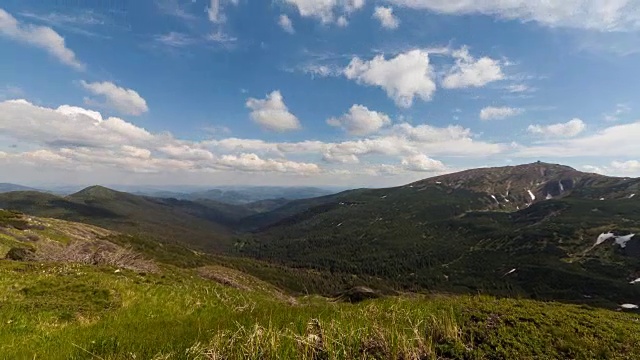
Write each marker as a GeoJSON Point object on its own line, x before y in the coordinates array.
{"type": "Point", "coordinates": [518, 88]}
{"type": "Point", "coordinates": [175, 39]}
{"type": "Point", "coordinates": [342, 21]}
{"type": "Point", "coordinates": [602, 15]}
{"type": "Point", "coordinates": [615, 141]}
{"type": "Point", "coordinates": [272, 113]}
{"type": "Point", "coordinates": [360, 121]}
{"type": "Point", "coordinates": [569, 129]}
{"type": "Point", "coordinates": [618, 112]}
{"type": "Point", "coordinates": [632, 166]}
{"type": "Point", "coordinates": [215, 10]}
{"type": "Point", "coordinates": [186, 152]}
{"type": "Point", "coordinates": [422, 163]}
{"type": "Point", "coordinates": [221, 37]}
{"type": "Point", "coordinates": [39, 36]}
{"type": "Point", "coordinates": [252, 162]}
{"type": "Point", "coordinates": [326, 10]}
{"type": "Point", "coordinates": [125, 101]}
{"type": "Point", "coordinates": [404, 77]}
{"type": "Point", "coordinates": [286, 24]}
{"type": "Point", "coordinates": [469, 72]}
{"type": "Point", "coordinates": [78, 139]}
{"type": "Point", "coordinates": [490, 113]}
{"type": "Point", "coordinates": [386, 17]}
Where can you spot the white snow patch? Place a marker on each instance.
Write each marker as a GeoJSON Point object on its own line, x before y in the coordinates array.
{"type": "Point", "coordinates": [601, 199]}
{"type": "Point", "coordinates": [604, 237]}
{"type": "Point", "coordinates": [561, 186]}
{"type": "Point", "coordinates": [623, 240]}
{"type": "Point", "coordinates": [549, 197]}
{"type": "Point", "coordinates": [384, 197]}
{"type": "Point", "coordinates": [636, 281]}
{"type": "Point", "coordinates": [494, 198]}
{"type": "Point", "coordinates": [620, 240]}
{"type": "Point", "coordinates": [629, 306]}
{"type": "Point", "coordinates": [631, 196]}
{"type": "Point", "coordinates": [533, 197]}
{"type": "Point", "coordinates": [510, 272]}
{"type": "Point", "coordinates": [439, 182]}
{"type": "Point", "coordinates": [339, 225]}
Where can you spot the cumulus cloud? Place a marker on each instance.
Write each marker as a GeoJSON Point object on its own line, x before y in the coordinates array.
{"type": "Point", "coordinates": [422, 163]}
{"type": "Point", "coordinates": [286, 24]}
{"type": "Point", "coordinates": [490, 112]}
{"type": "Point", "coordinates": [615, 141]}
{"type": "Point", "coordinates": [404, 77]}
{"type": "Point", "coordinates": [272, 113]}
{"type": "Point", "coordinates": [568, 129]}
{"type": "Point", "coordinates": [470, 72]}
{"type": "Point", "coordinates": [75, 138]}
{"type": "Point", "coordinates": [326, 10]}
{"type": "Point", "coordinates": [125, 101]}
{"type": "Point", "coordinates": [360, 121]}
{"type": "Point", "coordinates": [252, 162]}
{"type": "Point", "coordinates": [386, 17]}
{"type": "Point", "coordinates": [601, 15]}
{"type": "Point", "coordinates": [39, 36]}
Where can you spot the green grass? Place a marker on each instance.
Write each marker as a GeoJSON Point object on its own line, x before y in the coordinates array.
{"type": "Point", "coordinates": [63, 311]}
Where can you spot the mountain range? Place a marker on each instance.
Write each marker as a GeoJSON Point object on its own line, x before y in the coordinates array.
{"type": "Point", "coordinates": [536, 230]}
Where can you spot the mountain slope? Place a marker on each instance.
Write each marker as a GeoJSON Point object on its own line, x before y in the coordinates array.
{"type": "Point", "coordinates": [5, 187]}
{"type": "Point", "coordinates": [200, 225]}
{"type": "Point", "coordinates": [448, 233]}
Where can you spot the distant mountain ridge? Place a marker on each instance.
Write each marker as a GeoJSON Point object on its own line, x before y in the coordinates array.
{"type": "Point", "coordinates": [7, 187]}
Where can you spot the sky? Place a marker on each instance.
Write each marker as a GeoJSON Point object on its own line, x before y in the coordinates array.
{"type": "Point", "coordinates": [345, 93]}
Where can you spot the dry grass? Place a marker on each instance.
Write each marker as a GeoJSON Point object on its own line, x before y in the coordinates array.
{"type": "Point", "coordinates": [98, 252]}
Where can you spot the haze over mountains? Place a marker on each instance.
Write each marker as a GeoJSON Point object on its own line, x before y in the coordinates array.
{"type": "Point", "coordinates": [528, 230]}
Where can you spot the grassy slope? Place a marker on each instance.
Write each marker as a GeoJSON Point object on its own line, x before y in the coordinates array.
{"type": "Point", "coordinates": [79, 312]}
{"type": "Point", "coordinates": [201, 225]}
{"type": "Point", "coordinates": [191, 307]}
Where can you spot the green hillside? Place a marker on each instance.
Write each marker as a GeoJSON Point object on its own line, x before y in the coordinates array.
{"type": "Point", "coordinates": [204, 225]}
{"type": "Point", "coordinates": [125, 301]}
{"type": "Point", "coordinates": [446, 234]}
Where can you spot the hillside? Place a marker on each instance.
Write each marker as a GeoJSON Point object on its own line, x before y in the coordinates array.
{"type": "Point", "coordinates": [97, 299]}
{"type": "Point", "coordinates": [449, 234]}
{"type": "Point", "coordinates": [202, 225]}
{"type": "Point", "coordinates": [5, 187]}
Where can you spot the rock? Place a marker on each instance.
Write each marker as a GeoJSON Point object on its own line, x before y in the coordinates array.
{"type": "Point", "coordinates": [20, 254]}
{"type": "Point", "coordinates": [358, 294]}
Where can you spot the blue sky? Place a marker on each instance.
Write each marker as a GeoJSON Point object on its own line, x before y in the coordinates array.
{"type": "Point", "coordinates": [302, 92]}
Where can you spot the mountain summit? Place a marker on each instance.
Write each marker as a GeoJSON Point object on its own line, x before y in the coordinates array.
{"type": "Point", "coordinates": [515, 187]}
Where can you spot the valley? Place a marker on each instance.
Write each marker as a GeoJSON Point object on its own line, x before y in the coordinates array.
{"type": "Point", "coordinates": [446, 266]}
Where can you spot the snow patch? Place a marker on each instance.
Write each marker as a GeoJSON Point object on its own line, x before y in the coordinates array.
{"type": "Point", "coordinates": [636, 281]}
{"type": "Point", "coordinates": [561, 186]}
{"type": "Point", "coordinates": [439, 182]}
{"type": "Point", "coordinates": [549, 197]}
{"type": "Point", "coordinates": [619, 240]}
{"type": "Point", "coordinates": [601, 199]}
{"type": "Point", "coordinates": [339, 225]}
{"type": "Point", "coordinates": [494, 198]}
{"type": "Point", "coordinates": [604, 237]}
{"type": "Point", "coordinates": [629, 306]}
{"type": "Point", "coordinates": [631, 196]}
{"type": "Point", "coordinates": [383, 197]}
{"type": "Point", "coordinates": [623, 240]}
{"type": "Point", "coordinates": [533, 197]}
{"type": "Point", "coordinates": [510, 272]}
